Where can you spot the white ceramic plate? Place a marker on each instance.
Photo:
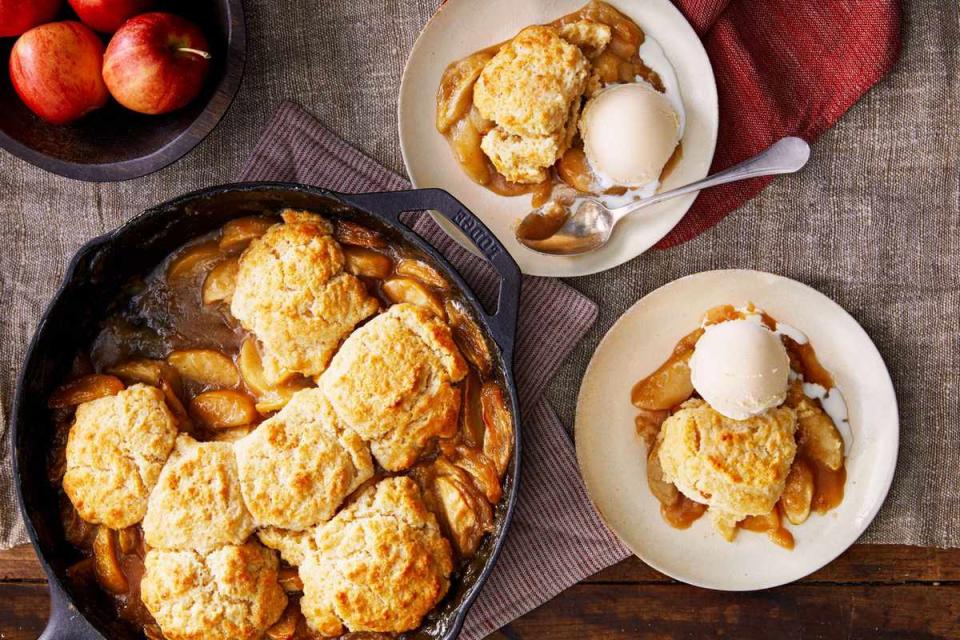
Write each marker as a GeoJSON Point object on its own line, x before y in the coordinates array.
{"type": "Point", "coordinates": [461, 27]}
{"type": "Point", "coordinates": [613, 459]}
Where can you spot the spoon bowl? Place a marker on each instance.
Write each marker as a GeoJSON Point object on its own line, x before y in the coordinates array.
{"type": "Point", "coordinates": [572, 226]}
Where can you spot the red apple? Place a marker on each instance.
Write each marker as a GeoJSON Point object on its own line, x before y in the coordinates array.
{"type": "Point", "coordinates": [16, 16]}
{"type": "Point", "coordinates": [55, 69]}
{"type": "Point", "coordinates": [108, 15]}
{"type": "Point", "coordinates": [156, 63]}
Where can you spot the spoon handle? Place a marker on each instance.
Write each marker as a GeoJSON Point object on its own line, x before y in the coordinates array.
{"type": "Point", "coordinates": [784, 156]}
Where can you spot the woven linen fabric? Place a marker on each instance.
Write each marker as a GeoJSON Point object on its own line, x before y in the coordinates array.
{"type": "Point", "coordinates": [556, 538]}
{"type": "Point", "coordinates": [873, 220]}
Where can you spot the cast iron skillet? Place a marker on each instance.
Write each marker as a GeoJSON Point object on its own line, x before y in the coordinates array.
{"type": "Point", "coordinates": [93, 284]}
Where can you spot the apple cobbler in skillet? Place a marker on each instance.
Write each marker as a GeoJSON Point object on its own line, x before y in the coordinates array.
{"type": "Point", "coordinates": [292, 428]}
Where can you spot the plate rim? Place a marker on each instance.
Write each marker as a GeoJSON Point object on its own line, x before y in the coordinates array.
{"type": "Point", "coordinates": [683, 203]}
{"type": "Point", "coordinates": [887, 479]}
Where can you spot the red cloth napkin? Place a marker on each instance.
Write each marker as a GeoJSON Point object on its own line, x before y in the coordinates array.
{"type": "Point", "coordinates": [783, 67]}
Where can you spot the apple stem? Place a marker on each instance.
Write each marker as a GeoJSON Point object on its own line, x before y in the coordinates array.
{"type": "Point", "coordinates": [197, 52]}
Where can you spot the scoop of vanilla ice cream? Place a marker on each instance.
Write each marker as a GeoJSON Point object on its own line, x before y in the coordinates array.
{"type": "Point", "coordinates": [629, 132]}
{"type": "Point", "coordinates": [740, 368]}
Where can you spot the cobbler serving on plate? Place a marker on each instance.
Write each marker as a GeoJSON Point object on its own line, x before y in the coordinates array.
{"type": "Point", "coordinates": [743, 422]}
{"type": "Point", "coordinates": [570, 106]}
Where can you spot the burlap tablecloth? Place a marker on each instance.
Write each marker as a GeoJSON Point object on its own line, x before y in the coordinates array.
{"type": "Point", "coordinates": [873, 221]}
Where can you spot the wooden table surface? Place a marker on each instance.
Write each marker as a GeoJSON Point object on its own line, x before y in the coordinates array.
{"type": "Point", "coordinates": [872, 591]}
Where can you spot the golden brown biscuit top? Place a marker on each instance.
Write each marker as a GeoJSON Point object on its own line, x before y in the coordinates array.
{"type": "Point", "coordinates": [393, 383]}
{"type": "Point", "coordinates": [293, 294]}
{"type": "Point", "coordinates": [381, 564]}
{"type": "Point", "coordinates": [738, 467]}
{"type": "Point", "coordinates": [115, 451]}
{"type": "Point", "coordinates": [197, 503]}
{"type": "Point", "coordinates": [231, 593]}
{"type": "Point", "coordinates": [587, 34]}
{"type": "Point", "coordinates": [296, 467]}
{"type": "Point", "coordinates": [529, 84]}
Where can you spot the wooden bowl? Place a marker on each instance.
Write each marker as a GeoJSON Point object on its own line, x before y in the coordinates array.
{"type": "Point", "coordinates": [114, 143]}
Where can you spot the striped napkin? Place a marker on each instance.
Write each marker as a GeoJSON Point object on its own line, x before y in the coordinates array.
{"type": "Point", "coordinates": [556, 538]}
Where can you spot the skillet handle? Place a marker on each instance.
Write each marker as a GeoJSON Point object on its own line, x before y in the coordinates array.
{"type": "Point", "coordinates": [66, 623]}
{"type": "Point", "coordinates": [390, 204]}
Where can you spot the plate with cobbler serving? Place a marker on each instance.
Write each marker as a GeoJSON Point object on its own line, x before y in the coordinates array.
{"type": "Point", "coordinates": [738, 430]}
{"type": "Point", "coordinates": [513, 105]}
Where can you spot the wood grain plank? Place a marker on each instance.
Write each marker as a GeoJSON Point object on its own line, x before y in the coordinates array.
{"type": "Point", "coordinates": [799, 611]}
{"type": "Point", "coordinates": [866, 563]}
{"type": "Point", "coordinates": [20, 565]}
{"type": "Point", "coordinates": [655, 611]}
{"type": "Point", "coordinates": [24, 611]}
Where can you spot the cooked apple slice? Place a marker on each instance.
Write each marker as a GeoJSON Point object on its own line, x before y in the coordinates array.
{"type": "Point", "coordinates": [665, 492]}
{"type": "Point", "coordinates": [468, 337]}
{"type": "Point", "coordinates": [238, 233]}
{"type": "Point", "coordinates": [251, 368]}
{"type": "Point", "coordinates": [223, 409]}
{"type": "Point", "coordinates": [420, 270]}
{"type": "Point", "coordinates": [456, 89]}
{"type": "Point", "coordinates": [666, 387]}
{"type": "Point", "coordinates": [498, 438]}
{"type": "Point", "coordinates": [648, 424]}
{"type": "Point", "coordinates": [467, 517]}
{"type": "Point", "coordinates": [481, 470]}
{"type": "Point", "coordinates": [409, 290]}
{"type": "Point", "coordinates": [471, 412]}
{"type": "Point", "coordinates": [269, 397]}
{"type": "Point", "coordinates": [367, 262]}
{"type": "Point", "coordinates": [798, 493]}
{"type": "Point", "coordinates": [208, 367]}
{"type": "Point", "coordinates": [818, 437]}
{"type": "Point", "coordinates": [106, 556]}
{"type": "Point", "coordinates": [128, 539]}
{"type": "Point", "coordinates": [465, 140]}
{"type": "Point", "coordinates": [347, 232]}
{"type": "Point", "coordinates": [220, 283]}
{"type": "Point", "coordinates": [286, 627]}
{"type": "Point", "coordinates": [85, 389]}
{"type": "Point", "coordinates": [146, 371]}
{"type": "Point", "coordinates": [279, 397]}
{"type": "Point", "coordinates": [193, 260]}
{"type": "Point", "coordinates": [175, 405]}
{"type": "Point", "coordinates": [289, 579]}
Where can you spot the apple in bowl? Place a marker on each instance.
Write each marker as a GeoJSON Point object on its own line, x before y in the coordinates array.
{"type": "Point", "coordinates": [55, 69]}
{"type": "Point", "coordinates": [156, 63]}
{"type": "Point", "coordinates": [18, 16]}
{"type": "Point", "coordinates": [107, 16]}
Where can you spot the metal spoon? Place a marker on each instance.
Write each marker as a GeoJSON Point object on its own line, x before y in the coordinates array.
{"type": "Point", "coordinates": [586, 224]}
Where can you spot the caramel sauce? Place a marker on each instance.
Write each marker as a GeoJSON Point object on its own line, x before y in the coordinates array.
{"type": "Point", "coordinates": [804, 359]}
{"type": "Point", "coordinates": [620, 62]}
{"type": "Point", "coordinates": [540, 227]}
{"type": "Point", "coordinates": [828, 484]}
{"type": "Point", "coordinates": [683, 513]}
{"type": "Point", "coordinates": [722, 313]}
{"type": "Point", "coordinates": [772, 525]}
{"type": "Point", "coordinates": [672, 162]}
